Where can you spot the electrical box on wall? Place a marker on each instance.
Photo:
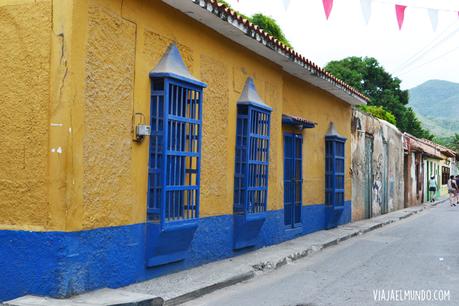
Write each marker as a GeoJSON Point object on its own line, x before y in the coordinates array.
{"type": "Point", "coordinates": [141, 129]}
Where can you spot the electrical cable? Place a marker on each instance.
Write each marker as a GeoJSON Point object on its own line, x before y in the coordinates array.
{"type": "Point", "coordinates": [431, 61]}
{"type": "Point", "coordinates": [426, 49]}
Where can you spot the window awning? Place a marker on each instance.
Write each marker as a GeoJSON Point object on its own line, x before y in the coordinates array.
{"type": "Point", "coordinates": [298, 122]}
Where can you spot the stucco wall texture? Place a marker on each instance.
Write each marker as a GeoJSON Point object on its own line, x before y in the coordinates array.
{"type": "Point", "coordinates": [304, 100]}
{"type": "Point", "coordinates": [385, 191]}
{"type": "Point", "coordinates": [111, 46]}
{"type": "Point", "coordinates": [73, 184]}
{"type": "Point", "coordinates": [108, 192]}
{"type": "Point", "coordinates": [124, 33]}
{"type": "Point", "coordinates": [25, 38]}
{"type": "Point", "coordinates": [414, 183]}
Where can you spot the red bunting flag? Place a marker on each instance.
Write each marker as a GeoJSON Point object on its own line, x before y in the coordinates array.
{"type": "Point", "coordinates": [400, 11]}
{"type": "Point", "coordinates": [328, 5]}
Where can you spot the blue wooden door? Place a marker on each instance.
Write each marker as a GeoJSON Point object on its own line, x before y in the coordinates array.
{"type": "Point", "coordinates": [293, 179]}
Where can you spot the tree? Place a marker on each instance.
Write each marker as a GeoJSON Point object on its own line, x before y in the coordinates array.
{"type": "Point", "coordinates": [369, 77]}
{"type": "Point", "coordinates": [230, 7]}
{"type": "Point", "coordinates": [412, 125]}
{"type": "Point", "coordinates": [270, 26]}
{"type": "Point", "coordinates": [266, 23]}
{"type": "Point", "coordinates": [455, 143]}
{"type": "Point", "coordinates": [379, 112]}
{"type": "Point", "coordinates": [451, 142]}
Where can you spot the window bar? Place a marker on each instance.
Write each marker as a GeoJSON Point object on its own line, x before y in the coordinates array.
{"type": "Point", "coordinates": [163, 203]}
{"type": "Point", "coordinates": [198, 165]}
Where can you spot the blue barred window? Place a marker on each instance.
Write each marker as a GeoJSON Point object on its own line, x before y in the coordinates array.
{"type": "Point", "coordinates": [252, 156]}
{"type": "Point", "coordinates": [335, 169]}
{"type": "Point", "coordinates": [252, 153]}
{"type": "Point", "coordinates": [174, 161]}
{"type": "Point", "coordinates": [175, 143]}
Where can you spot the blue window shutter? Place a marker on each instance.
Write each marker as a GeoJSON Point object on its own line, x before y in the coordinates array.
{"type": "Point", "coordinates": [251, 166]}
{"type": "Point", "coordinates": [175, 151]}
{"type": "Point", "coordinates": [293, 179]}
{"type": "Point", "coordinates": [240, 184]}
{"type": "Point", "coordinates": [289, 173]}
{"type": "Point", "coordinates": [175, 143]}
{"type": "Point", "coordinates": [335, 159]}
{"type": "Point", "coordinates": [252, 160]}
{"type": "Point", "coordinates": [334, 176]}
{"type": "Point", "coordinates": [174, 166]}
{"type": "Point", "coordinates": [298, 178]}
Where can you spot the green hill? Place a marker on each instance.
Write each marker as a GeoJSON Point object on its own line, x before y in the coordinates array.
{"type": "Point", "coordinates": [437, 105]}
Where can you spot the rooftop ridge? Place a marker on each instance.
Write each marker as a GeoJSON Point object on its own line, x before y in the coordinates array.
{"type": "Point", "coordinates": [221, 8]}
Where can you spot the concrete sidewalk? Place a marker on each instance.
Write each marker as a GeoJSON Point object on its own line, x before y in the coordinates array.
{"type": "Point", "coordinates": [186, 285]}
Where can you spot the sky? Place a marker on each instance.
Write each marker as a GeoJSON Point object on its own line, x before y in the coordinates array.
{"type": "Point", "coordinates": [415, 54]}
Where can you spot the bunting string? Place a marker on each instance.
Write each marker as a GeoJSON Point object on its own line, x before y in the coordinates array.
{"type": "Point", "coordinates": [401, 7]}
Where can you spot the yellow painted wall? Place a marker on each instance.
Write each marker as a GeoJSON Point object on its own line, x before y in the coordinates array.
{"type": "Point", "coordinates": [25, 42]}
{"type": "Point", "coordinates": [307, 101]}
{"type": "Point", "coordinates": [203, 50]}
{"type": "Point", "coordinates": [99, 70]}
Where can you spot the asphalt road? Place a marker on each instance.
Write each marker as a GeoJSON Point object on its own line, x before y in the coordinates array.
{"type": "Point", "coordinates": [414, 262]}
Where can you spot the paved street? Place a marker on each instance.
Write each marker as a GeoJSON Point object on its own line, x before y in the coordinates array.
{"type": "Point", "coordinates": [419, 253]}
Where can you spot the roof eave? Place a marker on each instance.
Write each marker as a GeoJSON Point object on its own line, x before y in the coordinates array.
{"type": "Point", "coordinates": [231, 28]}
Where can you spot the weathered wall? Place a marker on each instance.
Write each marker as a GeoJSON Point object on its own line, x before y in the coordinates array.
{"type": "Point", "coordinates": [414, 186]}
{"type": "Point", "coordinates": [383, 190]}
{"type": "Point", "coordinates": [25, 40]}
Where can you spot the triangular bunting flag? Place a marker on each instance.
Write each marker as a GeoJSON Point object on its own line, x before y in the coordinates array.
{"type": "Point", "coordinates": [433, 15]}
{"type": "Point", "coordinates": [400, 12]}
{"type": "Point", "coordinates": [328, 5]}
{"type": "Point", "coordinates": [286, 4]}
{"type": "Point", "coordinates": [366, 9]}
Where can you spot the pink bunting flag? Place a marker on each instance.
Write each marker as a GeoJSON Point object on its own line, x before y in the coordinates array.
{"type": "Point", "coordinates": [328, 5]}
{"type": "Point", "coordinates": [400, 11]}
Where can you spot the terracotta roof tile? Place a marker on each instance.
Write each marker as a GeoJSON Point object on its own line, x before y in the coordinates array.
{"type": "Point", "coordinates": [220, 8]}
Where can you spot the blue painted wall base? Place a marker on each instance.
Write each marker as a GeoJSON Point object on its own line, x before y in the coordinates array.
{"type": "Point", "coordinates": [168, 244]}
{"type": "Point", "coordinates": [60, 264]}
{"type": "Point", "coordinates": [246, 229]}
{"type": "Point", "coordinates": [332, 216]}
